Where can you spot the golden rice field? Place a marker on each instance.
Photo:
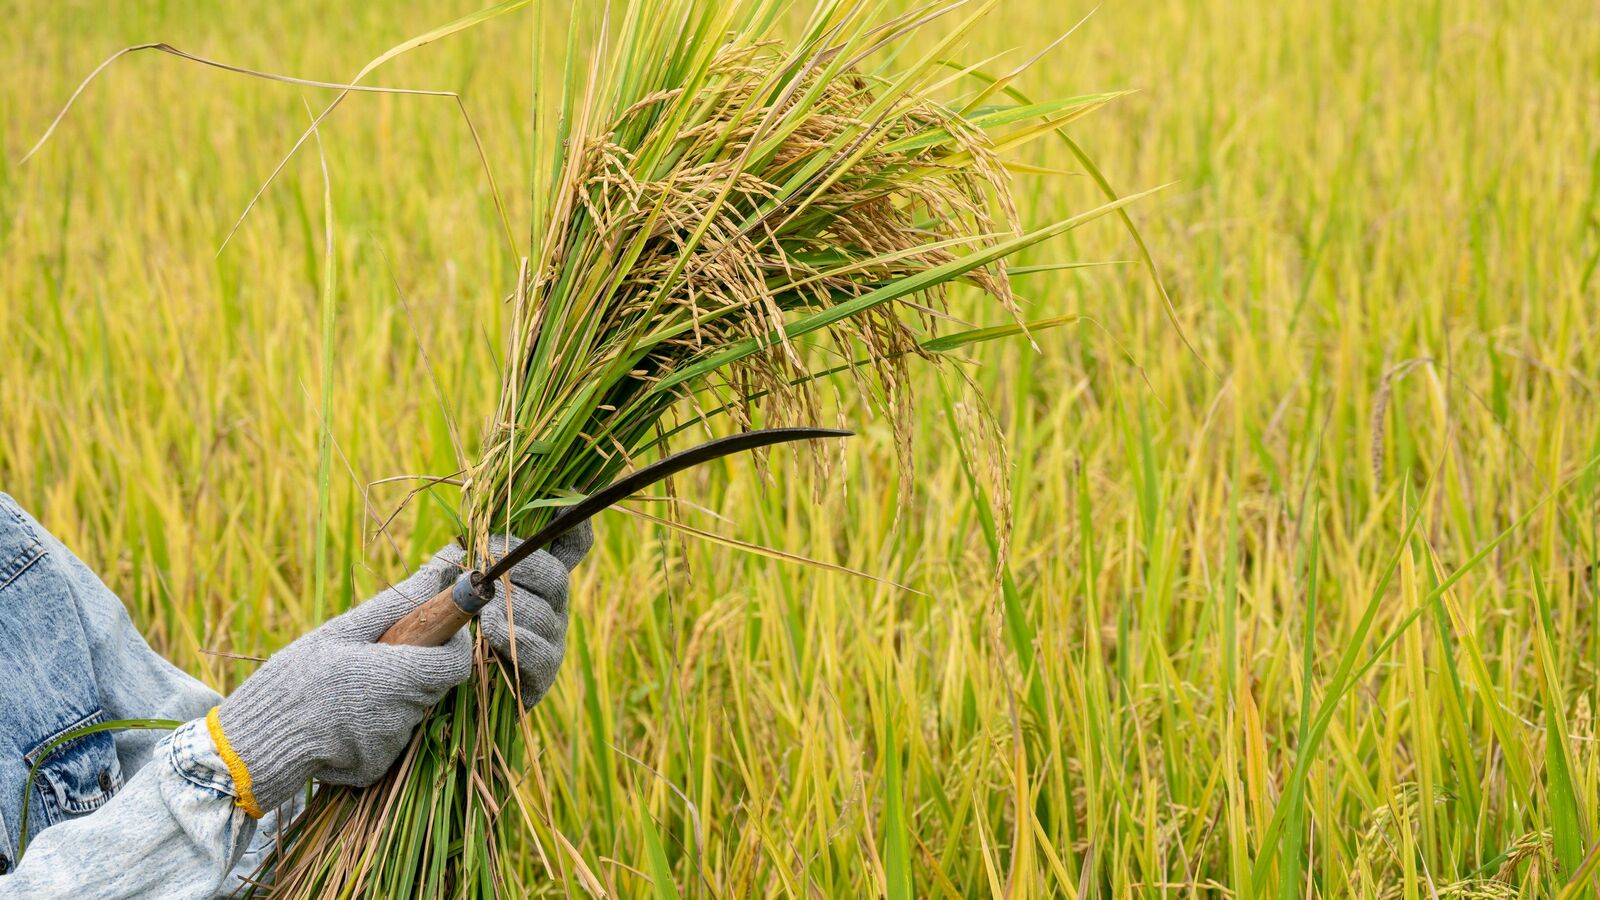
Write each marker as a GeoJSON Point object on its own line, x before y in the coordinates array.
{"type": "Point", "coordinates": [1307, 610]}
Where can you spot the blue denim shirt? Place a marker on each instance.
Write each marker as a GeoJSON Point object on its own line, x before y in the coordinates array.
{"type": "Point", "coordinates": [124, 814]}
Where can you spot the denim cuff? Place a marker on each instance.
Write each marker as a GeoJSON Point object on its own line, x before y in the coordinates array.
{"type": "Point", "coordinates": [192, 754]}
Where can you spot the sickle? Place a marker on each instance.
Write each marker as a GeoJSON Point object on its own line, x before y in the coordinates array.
{"type": "Point", "coordinates": [436, 620]}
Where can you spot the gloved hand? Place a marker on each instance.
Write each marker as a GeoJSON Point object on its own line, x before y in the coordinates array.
{"type": "Point", "coordinates": [334, 705]}
{"type": "Point", "coordinates": [538, 609]}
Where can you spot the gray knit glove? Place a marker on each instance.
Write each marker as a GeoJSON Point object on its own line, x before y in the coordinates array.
{"type": "Point", "coordinates": [538, 607]}
{"type": "Point", "coordinates": [335, 706]}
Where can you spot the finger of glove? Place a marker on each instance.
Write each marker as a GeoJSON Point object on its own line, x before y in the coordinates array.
{"type": "Point", "coordinates": [540, 574]}
{"type": "Point", "coordinates": [385, 693]}
{"type": "Point", "coordinates": [453, 556]}
{"type": "Point", "coordinates": [371, 761]}
{"type": "Point", "coordinates": [539, 654]}
{"type": "Point", "coordinates": [399, 675]}
{"type": "Point", "coordinates": [539, 674]}
{"type": "Point", "coordinates": [572, 545]}
{"type": "Point", "coordinates": [368, 621]}
{"type": "Point", "coordinates": [529, 615]}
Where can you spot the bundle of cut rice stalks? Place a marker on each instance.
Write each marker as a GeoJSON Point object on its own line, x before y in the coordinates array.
{"type": "Point", "coordinates": [716, 202]}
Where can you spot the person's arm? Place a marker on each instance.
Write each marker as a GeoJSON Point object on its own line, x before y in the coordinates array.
{"type": "Point", "coordinates": [132, 681]}
{"type": "Point", "coordinates": [333, 705]}
{"type": "Point", "coordinates": [174, 830]}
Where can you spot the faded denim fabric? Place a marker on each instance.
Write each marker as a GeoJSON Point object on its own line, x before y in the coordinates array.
{"type": "Point", "coordinates": [70, 656]}
{"type": "Point", "coordinates": [172, 832]}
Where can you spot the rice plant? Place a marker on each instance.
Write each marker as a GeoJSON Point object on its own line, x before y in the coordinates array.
{"type": "Point", "coordinates": [723, 200]}
{"type": "Point", "coordinates": [1383, 242]}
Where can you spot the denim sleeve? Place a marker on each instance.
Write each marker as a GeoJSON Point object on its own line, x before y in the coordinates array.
{"type": "Point", "coordinates": [172, 831]}
{"type": "Point", "coordinates": [134, 682]}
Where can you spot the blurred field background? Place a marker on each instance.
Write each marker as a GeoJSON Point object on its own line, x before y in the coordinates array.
{"type": "Point", "coordinates": [1218, 664]}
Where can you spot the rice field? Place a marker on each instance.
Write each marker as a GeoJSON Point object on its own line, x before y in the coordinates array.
{"type": "Point", "coordinates": [1289, 590]}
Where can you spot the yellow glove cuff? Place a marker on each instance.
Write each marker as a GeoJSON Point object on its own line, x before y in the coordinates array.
{"type": "Point", "coordinates": [241, 775]}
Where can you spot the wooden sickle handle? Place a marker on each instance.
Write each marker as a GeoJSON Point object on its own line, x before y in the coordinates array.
{"type": "Point", "coordinates": [437, 620]}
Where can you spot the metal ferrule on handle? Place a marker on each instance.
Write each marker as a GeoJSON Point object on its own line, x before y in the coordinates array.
{"type": "Point", "coordinates": [470, 594]}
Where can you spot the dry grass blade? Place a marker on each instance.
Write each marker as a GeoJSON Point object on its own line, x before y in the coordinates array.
{"type": "Point", "coordinates": [311, 130]}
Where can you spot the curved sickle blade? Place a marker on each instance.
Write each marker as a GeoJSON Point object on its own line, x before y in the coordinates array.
{"type": "Point", "coordinates": [642, 478]}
